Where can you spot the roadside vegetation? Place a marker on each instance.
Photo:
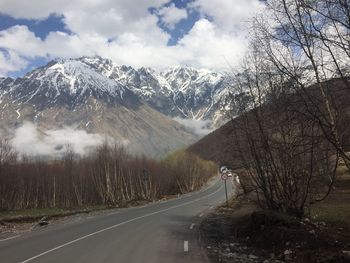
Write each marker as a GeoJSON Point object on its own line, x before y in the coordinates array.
{"type": "Point", "coordinates": [290, 142]}
{"type": "Point", "coordinates": [293, 130]}
{"type": "Point", "coordinates": [107, 176]}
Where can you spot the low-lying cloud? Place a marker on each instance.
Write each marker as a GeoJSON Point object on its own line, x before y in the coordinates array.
{"type": "Point", "coordinates": [30, 140]}
{"type": "Point", "coordinates": [200, 127]}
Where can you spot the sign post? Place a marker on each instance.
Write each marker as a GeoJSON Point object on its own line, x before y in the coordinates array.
{"type": "Point", "coordinates": [226, 193]}
{"type": "Point", "coordinates": [225, 174]}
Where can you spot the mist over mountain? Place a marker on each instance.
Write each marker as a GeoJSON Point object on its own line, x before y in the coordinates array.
{"type": "Point", "coordinates": [149, 112]}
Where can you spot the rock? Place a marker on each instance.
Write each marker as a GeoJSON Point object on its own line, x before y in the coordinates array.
{"type": "Point", "coordinates": [323, 224]}
{"type": "Point", "coordinates": [43, 221]}
{"type": "Point", "coordinates": [288, 254]}
{"type": "Point", "coordinates": [346, 254]}
{"type": "Point", "coordinates": [306, 220]}
{"type": "Point", "coordinates": [251, 256]}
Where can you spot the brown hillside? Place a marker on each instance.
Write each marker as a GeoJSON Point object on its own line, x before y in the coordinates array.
{"type": "Point", "coordinates": [219, 146]}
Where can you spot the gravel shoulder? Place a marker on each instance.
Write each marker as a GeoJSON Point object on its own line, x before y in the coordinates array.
{"type": "Point", "coordinates": [244, 233]}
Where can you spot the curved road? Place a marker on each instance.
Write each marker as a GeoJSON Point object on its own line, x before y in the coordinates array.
{"type": "Point", "coordinates": [158, 232]}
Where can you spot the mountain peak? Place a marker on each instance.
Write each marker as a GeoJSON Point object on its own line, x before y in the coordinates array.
{"type": "Point", "coordinates": [181, 91]}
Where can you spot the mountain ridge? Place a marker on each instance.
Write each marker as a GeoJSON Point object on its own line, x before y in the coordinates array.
{"type": "Point", "coordinates": [139, 106]}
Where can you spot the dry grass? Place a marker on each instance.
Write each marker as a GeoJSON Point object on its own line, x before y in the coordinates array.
{"type": "Point", "coordinates": [335, 210]}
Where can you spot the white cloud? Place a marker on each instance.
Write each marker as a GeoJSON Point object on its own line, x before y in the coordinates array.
{"type": "Point", "coordinates": [29, 140]}
{"type": "Point", "coordinates": [228, 14]}
{"type": "Point", "coordinates": [40, 9]}
{"type": "Point", "coordinates": [11, 61]}
{"type": "Point", "coordinates": [199, 127]}
{"type": "Point", "coordinates": [171, 15]}
{"type": "Point", "coordinates": [126, 32]}
{"type": "Point", "coordinates": [210, 48]}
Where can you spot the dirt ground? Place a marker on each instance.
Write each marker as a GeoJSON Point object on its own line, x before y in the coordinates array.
{"type": "Point", "coordinates": [243, 233]}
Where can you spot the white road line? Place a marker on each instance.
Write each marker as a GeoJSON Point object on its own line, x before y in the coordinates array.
{"type": "Point", "coordinates": [191, 226]}
{"type": "Point", "coordinates": [9, 238]}
{"type": "Point", "coordinates": [18, 113]}
{"type": "Point", "coordinates": [186, 246]}
{"type": "Point", "coordinates": [117, 225]}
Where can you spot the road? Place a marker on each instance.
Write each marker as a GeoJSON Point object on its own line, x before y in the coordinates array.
{"type": "Point", "coordinates": [158, 232]}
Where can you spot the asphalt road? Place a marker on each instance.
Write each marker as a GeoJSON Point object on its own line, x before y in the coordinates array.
{"type": "Point", "coordinates": [158, 232]}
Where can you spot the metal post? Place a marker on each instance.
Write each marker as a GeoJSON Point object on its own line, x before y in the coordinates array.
{"type": "Point", "coordinates": [226, 193]}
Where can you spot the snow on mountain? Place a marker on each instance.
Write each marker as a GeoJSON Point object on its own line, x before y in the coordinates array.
{"type": "Point", "coordinates": [180, 92]}
{"type": "Point", "coordinates": [73, 94]}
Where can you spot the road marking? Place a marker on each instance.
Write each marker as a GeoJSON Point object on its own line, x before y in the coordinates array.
{"type": "Point", "coordinates": [201, 215]}
{"type": "Point", "coordinates": [186, 246]}
{"type": "Point", "coordinates": [117, 225]}
{"type": "Point", "coordinates": [2, 240]}
{"type": "Point", "coordinates": [191, 226]}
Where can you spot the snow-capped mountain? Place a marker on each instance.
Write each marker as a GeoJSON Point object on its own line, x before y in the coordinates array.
{"type": "Point", "coordinates": [70, 93]}
{"type": "Point", "coordinates": [127, 104]}
{"type": "Point", "coordinates": [65, 82]}
{"type": "Point", "coordinates": [182, 92]}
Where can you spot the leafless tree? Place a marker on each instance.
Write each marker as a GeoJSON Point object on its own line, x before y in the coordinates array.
{"type": "Point", "coordinates": [283, 151]}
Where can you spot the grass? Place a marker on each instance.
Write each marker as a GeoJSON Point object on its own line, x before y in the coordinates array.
{"type": "Point", "coordinates": [335, 210]}
{"type": "Point", "coordinates": [41, 212]}
{"type": "Point", "coordinates": [337, 215]}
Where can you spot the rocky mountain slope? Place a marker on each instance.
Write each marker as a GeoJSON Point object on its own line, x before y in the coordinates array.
{"type": "Point", "coordinates": [136, 106]}
{"type": "Point", "coordinates": [182, 92]}
{"type": "Point", "coordinates": [71, 93]}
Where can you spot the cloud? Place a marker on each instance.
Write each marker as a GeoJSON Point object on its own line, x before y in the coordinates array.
{"type": "Point", "coordinates": [208, 47]}
{"type": "Point", "coordinates": [40, 9]}
{"type": "Point", "coordinates": [128, 33]}
{"type": "Point", "coordinates": [171, 15]}
{"type": "Point", "coordinates": [227, 14]}
{"type": "Point", "coordinates": [29, 140]}
{"type": "Point", "coordinates": [199, 127]}
{"type": "Point", "coordinates": [21, 41]}
{"type": "Point", "coordinates": [11, 61]}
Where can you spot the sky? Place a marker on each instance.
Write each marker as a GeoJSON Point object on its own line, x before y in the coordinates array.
{"type": "Point", "coordinates": [140, 33]}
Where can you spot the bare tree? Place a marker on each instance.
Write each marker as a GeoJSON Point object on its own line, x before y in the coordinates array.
{"type": "Point", "coordinates": [296, 38]}
{"type": "Point", "coordinates": [283, 151]}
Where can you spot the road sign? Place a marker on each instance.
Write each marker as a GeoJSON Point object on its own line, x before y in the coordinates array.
{"type": "Point", "coordinates": [226, 172]}
{"type": "Point", "coordinates": [223, 169]}
{"type": "Point", "coordinates": [224, 177]}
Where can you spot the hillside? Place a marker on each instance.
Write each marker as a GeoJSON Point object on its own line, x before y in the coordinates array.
{"type": "Point", "coordinates": [149, 112]}
{"type": "Point", "coordinates": [69, 93]}
{"type": "Point", "coordinates": [220, 145]}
